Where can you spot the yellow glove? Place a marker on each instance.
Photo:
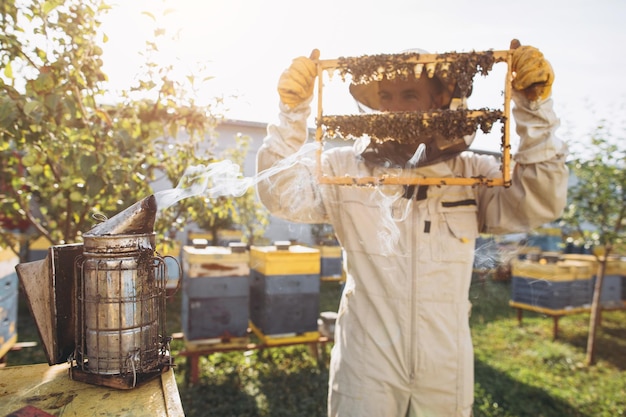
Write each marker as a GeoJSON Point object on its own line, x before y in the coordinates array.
{"type": "Point", "coordinates": [532, 73]}
{"type": "Point", "coordinates": [296, 82]}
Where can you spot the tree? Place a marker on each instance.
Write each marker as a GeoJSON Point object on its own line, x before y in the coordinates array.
{"type": "Point", "coordinates": [65, 154]}
{"type": "Point", "coordinates": [598, 198]}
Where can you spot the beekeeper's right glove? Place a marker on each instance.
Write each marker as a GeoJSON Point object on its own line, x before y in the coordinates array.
{"type": "Point", "coordinates": [296, 83]}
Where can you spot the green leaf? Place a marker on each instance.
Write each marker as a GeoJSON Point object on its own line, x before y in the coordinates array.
{"type": "Point", "coordinates": [49, 6]}
{"type": "Point", "coordinates": [87, 163]}
{"type": "Point", "coordinates": [8, 71]}
{"type": "Point", "coordinates": [32, 107]}
{"type": "Point", "coordinates": [76, 197]}
{"type": "Point", "coordinates": [44, 83]}
{"type": "Point", "coordinates": [95, 185]}
{"type": "Point", "coordinates": [8, 112]}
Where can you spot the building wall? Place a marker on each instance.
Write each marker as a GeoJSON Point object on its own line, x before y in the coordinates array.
{"type": "Point", "coordinates": [278, 229]}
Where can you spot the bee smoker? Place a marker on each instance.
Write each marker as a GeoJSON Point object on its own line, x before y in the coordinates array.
{"type": "Point", "coordinates": [117, 313]}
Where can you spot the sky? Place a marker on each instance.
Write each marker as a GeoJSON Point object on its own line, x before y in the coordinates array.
{"type": "Point", "coordinates": [246, 44]}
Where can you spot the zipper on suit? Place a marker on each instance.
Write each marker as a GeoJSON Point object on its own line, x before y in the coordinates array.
{"type": "Point", "coordinates": [414, 244]}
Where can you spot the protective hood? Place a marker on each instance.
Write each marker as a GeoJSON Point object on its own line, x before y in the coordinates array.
{"type": "Point", "coordinates": [366, 94]}
{"type": "Point", "coordinates": [393, 154]}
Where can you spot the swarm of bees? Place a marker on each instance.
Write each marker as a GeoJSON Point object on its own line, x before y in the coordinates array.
{"type": "Point", "coordinates": [459, 68]}
{"type": "Point", "coordinates": [405, 127]}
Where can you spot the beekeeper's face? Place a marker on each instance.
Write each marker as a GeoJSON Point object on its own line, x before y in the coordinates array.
{"type": "Point", "coordinates": [421, 94]}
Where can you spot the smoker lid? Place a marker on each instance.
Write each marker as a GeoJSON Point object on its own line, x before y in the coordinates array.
{"type": "Point", "coordinates": [49, 288]}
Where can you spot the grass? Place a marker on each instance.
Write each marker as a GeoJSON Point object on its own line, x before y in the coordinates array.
{"type": "Point", "coordinates": [520, 370]}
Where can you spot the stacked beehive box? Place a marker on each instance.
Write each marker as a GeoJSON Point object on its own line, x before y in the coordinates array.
{"type": "Point", "coordinates": [284, 289]}
{"type": "Point", "coordinates": [555, 286]}
{"type": "Point", "coordinates": [613, 293]}
{"type": "Point", "coordinates": [331, 267]}
{"type": "Point", "coordinates": [8, 300]}
{"type": "Point", "coordinates": [216, 293]}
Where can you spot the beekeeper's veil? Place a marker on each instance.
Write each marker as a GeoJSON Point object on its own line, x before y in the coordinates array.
{"type": "Point", "coordinates": [437, 148]}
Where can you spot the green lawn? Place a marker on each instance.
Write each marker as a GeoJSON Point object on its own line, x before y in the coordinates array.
{"type": "Point", "coordinates": [520, 371]}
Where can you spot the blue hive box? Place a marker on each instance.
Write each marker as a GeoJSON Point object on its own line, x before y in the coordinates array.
{"type": "Point", "coordinates": [555, 286]}
{"type": "Point", "coordinates": [216, 293]}
{"type": "Point", "coordinates": [8, 300]}
{"type": "Point", "coordinates": [284, 289]}
{"type": "Point", "coordinates": [331, 268]}
{"type": "Point", "coordinates": [613, 292]}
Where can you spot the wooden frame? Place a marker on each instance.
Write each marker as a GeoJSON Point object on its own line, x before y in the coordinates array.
{"type": "Point", "coordinates": [504, 180]}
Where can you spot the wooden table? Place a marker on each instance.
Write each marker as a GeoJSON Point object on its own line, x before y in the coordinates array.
{"type": "Point", "coordinates": [193, 351]}
{"type": "Point", "coordinates": [49, 388]}
{"type": "Point", "coordinates": [557, 314]}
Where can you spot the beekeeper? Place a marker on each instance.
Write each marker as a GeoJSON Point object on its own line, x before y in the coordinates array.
{"type": "Point", "coordinates": [402, 341]}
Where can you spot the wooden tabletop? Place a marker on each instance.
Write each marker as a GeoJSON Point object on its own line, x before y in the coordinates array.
{"type": "Point", "coordinates": [49, 388]}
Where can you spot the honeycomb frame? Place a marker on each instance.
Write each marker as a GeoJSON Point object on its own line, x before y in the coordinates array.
{"type": "Point", "coordinates": [421, 62]}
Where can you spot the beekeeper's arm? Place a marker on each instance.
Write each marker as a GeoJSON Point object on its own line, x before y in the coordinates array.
{"type": "Point", "coordinates": [287, 184]}
{"type": "Point", "coordinates": [539, 182]}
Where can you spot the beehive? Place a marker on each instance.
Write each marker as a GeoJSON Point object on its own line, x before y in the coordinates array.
{"type": "Point", "coordinates": [8, 300]}
{"type": "Point", "coordinates": [331, 263]}
{"type": "Point", "coordinates": [216, 293]}
{"type": "Point", "coordinates": [613, 293]}
{"type": "Point", "coordinates": [284, 289]}
{"type": "Point", "coordinates": [560, 285]}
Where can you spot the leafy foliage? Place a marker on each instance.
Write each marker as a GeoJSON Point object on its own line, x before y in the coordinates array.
{"type": "Point", "coordinates": [65, 153]}
{"type": "Point", "coordinates": [598, 200]}
{"type": "Point", "coordinates": [598, 197]}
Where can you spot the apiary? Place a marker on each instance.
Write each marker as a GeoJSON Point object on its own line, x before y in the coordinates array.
{"type": "Point", "coordinates": [216, 292]}
{"type": "Point", "coordinates": [284, 289]}
{"type": "Point", "coordinates": [556, 286]}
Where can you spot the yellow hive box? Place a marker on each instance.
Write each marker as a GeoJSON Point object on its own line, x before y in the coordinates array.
{"type": "Point", "coordinates": [217, 344]}
{"type": "Point", "coordinates": [296, 259]}
{"type": "Point", "coordinates": [215, 261]}
{"type": "Point", "coordinates": [331, 263]}
{"type": "Point", "coordinates": [329, 251]}
{"type": "Point", "coordinates": [284, 339]}
{"type": "Point", "coordinates": [567, 270]}
{"type": "Point", "coordinates": [614, 266]}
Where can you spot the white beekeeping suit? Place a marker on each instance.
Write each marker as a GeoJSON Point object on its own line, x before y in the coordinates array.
{"type": "Point", "coordinates": [402, 340]}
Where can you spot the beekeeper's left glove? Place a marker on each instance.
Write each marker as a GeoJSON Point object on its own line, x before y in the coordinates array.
{"type": "Point", "coordinates": [533, 74]}
{"type": "Point", "coordinates": [296, 83]}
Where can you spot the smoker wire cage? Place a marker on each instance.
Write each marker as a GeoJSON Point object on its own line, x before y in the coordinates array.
{"type": "Point", "coordinates": [460, 66]}
{"type": "Point", "coordinates": [120, 327]}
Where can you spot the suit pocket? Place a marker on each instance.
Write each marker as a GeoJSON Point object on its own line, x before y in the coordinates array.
{"type": "Point", "coordinates": [458, 230]}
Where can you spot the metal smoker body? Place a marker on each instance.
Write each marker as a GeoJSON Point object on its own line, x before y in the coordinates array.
{"type": "Point", "coordinates": [120, 326]}
{"type": "Point", "coordinates": [120, 310]}
{"type": "Point", "coordinates": [101, 305]}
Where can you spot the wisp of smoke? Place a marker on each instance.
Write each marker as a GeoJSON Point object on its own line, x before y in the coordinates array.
{"type": "Point", "coordinates": [417, 156]}
{"type": "Point", "coordinates": [224, 179]}
{"type": "Point", "coordinates": [221, 179]}
{"type": "Point", "coordinates": [214, 180]}
{"type": "Point", "coordinates": [393, 210]}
